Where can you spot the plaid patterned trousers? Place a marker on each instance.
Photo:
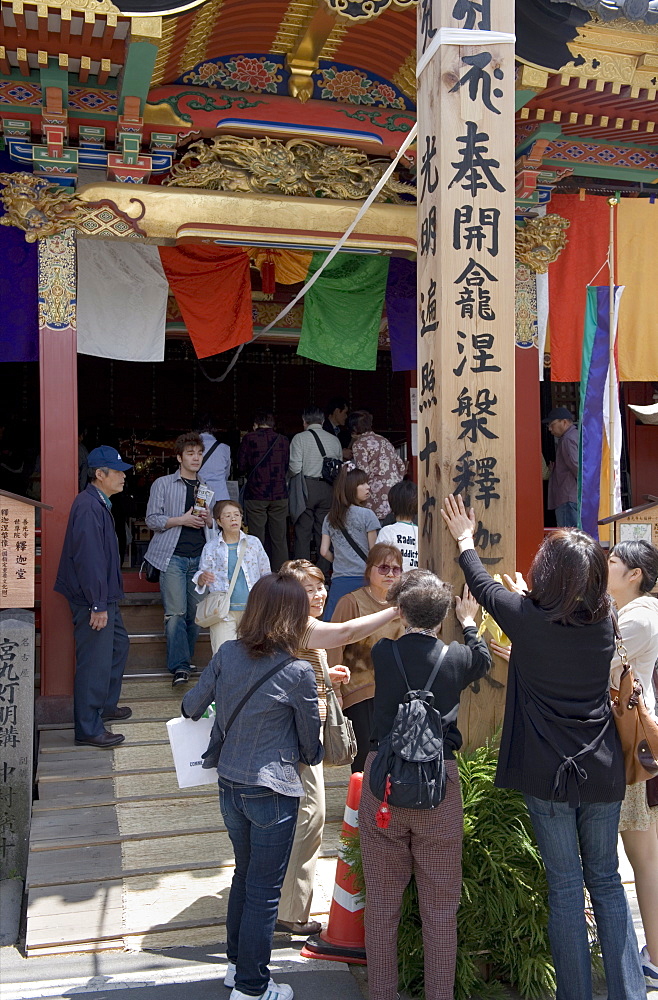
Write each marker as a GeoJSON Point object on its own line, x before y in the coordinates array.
{"type": "Point", "coordinates": [428, 844]}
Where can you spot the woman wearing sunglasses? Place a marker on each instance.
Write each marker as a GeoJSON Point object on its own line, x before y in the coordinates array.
{"type": "Point", "coordinates": [383, 568]}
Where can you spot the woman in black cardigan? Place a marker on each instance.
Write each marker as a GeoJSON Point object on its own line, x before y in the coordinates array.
{"type": "Point", "coordinates": [559, 744]}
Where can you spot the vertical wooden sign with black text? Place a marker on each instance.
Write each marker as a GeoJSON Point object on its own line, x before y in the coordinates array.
{"type": "Point", "coordinates": [465, 58]}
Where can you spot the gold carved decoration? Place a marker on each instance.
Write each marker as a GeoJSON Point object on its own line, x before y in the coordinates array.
{"type": "Point", "coordinates": [199, 35]}
{"type": "Point", "coordinates": [43, 209]}
{"type": "Point", "coordinates": [297, 167]}
{"type": "Point", "coordinates": [541, 241]}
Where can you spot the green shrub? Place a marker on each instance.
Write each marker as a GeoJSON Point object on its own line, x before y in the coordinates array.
{"type": "Point", "coordinates": [503, 915]}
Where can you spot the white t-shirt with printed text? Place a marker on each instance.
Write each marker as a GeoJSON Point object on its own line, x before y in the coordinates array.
{"type": "Point", "coordinates": [405, 537]}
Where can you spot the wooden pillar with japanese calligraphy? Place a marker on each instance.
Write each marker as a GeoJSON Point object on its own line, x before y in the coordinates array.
{"type": "Point", "coordinates": [465, 68]}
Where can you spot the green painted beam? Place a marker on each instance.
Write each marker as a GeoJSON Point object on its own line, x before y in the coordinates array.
{"type": "Point", "coordinates": [628, 174]}
{"type": "Point", "coordinates": [53, 76]}
{"type": "Point", "coordinates": [546, 130]}
{"type": "Point", "coordinates": [522, 97]}
{"type": "Point", "coordinates": [137, 72]}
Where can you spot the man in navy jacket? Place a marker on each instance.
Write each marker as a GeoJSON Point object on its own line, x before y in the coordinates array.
{"type": "Point", "coordinates": [89, 576]}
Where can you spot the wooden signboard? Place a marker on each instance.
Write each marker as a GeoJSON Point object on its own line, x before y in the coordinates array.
{"type": "Point", "coordinates": [16, 553]}
{"type": "Point", "coordinates": [465, 51]}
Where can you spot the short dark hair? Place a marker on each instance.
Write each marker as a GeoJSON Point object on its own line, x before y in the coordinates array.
{"type": "Point", "coordinates": [403, 498]}
{"type": "Point", "coordinates": [219, 506]}
{"type": "Point", "coordinates": [264, 417]}
{"type": "Point", "coordinates": [344, 495]}
{"type": "Point", "coordinates": [422, 598]}
{"type": "Point", "coordinates": [336, 403]}
{"type": "Point", "coordinates": [359, 422]}
{"type": "Point", "coordinates": [204, 422]}
{"type": "Point", "coordinates": [569, 578]}
{"type": "Point", "coordinates": [276, 616]}
{"type": "Point", "coordinates": [312, 415]}
{"type": "Point", "coordinates": [642, 555]}
{"type": "Point", "coordinates": [187, 440]}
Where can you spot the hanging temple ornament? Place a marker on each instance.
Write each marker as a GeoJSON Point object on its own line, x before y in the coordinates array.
{"type": "Point", "coordinates": [297, 167]}
{"type": "Point", "coordinates": [541, 241]}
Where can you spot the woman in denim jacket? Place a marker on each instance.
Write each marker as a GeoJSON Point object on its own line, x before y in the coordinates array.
{"type": "Point", "coordinates": [259, 784]}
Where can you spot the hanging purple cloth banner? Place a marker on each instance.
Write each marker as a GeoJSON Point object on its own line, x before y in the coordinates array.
{"type": "Point", "coordinates": [19, 317]}
{"type": "Point", "coordinates": [401, 313]}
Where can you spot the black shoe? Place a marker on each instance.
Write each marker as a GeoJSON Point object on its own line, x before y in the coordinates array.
{"type": "Point", "coordinates": [104, 741]}
{"type": "Point", "coordinates": [117, 713]}
{"type": "Point", "coordinates": [180, 677]}
{"type": "Point", "coordinates": [302, 929]}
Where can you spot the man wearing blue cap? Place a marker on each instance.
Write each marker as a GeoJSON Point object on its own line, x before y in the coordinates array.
{"type": "Point", "coordinates": [89, 576]}
{"type": "Point", "coordinates": [563, 479]}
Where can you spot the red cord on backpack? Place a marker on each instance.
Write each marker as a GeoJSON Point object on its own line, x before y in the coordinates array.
{"type": "Point", "coordinates": [383, 814]}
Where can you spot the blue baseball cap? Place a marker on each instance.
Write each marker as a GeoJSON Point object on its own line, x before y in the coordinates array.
{"type": "Point", "coordinates": [107, 458]}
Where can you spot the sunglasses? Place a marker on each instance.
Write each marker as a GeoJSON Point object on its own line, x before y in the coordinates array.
{"type": "Point", "coordinates": [385, 569]}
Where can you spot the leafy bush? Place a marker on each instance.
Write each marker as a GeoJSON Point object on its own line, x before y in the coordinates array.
{"type": "Point", "coordinates": [503, 915]}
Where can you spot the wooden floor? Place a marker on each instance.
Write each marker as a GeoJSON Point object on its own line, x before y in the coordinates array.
{"type": "Point", "coordinates": [120, 857]}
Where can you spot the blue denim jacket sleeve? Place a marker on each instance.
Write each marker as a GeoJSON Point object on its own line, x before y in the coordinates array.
{"type": "Point", "coordinates": [197, 700]}
{"type": "Point", "coordinates": [304, 701]}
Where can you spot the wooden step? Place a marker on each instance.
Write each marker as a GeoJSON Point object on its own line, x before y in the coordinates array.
{"type": "Point", "coordinates": [151, 651]}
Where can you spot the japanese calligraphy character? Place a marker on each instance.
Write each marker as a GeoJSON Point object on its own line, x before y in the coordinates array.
{"type": "Point", "coordinates": [474, 168]}
{"type": "Point", "coordinates": [464, 479]}
{"type": "Point", "coordinates": [482, 344]}
{"type": "Point", "coordinates": [475, 235]}
{"type": "Point", "coordinates": [429, 503]}
{"type": "Point", "coordinates": [485, 539]}
{"type": "Point", "coordinates": [10, 737]}
{"type": "Point", "coordinates": [477, 413]}
{"type": "Point", "coordinates": [427, 29]}
{"type": "Point", "coordinates": [428, 234]}
{"type": "Point", "coordinates": [428, 320]}
{"type": "Point", "coordinates": [428, 385]}
{"type": "Point", "coordinates": [477, 75]}
{"type": "Point", "coordinates": [428, 451]}
{"type": "Point", "coordinates": [429, 180]}
{"type": "Point", "coordinates": [486, 481]}
{"type": "Point", "coordinates": [469, 9]}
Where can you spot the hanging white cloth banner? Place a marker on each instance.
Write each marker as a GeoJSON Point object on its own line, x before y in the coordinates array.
{"type": "Point", "coordinates": [122, 300]}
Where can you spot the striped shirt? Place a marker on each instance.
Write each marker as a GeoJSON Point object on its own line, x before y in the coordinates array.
{"type": "Point", "coordinates": [166, 499]}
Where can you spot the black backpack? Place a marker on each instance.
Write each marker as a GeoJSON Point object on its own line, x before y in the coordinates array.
{"type": "Point", "coordinates": [330, 466]}
{"type": "Point", "coordinates": [409, 769]}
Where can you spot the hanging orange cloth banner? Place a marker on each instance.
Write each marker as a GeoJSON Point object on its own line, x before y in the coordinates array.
{"type": "Point", "coordinates": [213, 290]}
{"type": "Point", "coordinates": [569, 275]}
{"type": "Point", "coordinates": [637, 236]}
{"type": "Point", "coordinates": [290, 266]}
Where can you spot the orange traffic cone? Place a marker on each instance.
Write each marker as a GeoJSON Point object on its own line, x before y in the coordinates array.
{"type": "Point", "coordinates": [344, 937]}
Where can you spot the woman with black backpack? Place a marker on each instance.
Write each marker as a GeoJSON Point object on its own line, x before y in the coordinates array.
{"type": "Point", "coordinates": [426, 839]}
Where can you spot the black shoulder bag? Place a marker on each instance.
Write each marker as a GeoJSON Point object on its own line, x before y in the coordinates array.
{"type": "Point", "coordinates": [211, 756]}
{"type": "Point", "coordinates": [330, 466]}
{"type": "Point", "coordinates": [355, 545]}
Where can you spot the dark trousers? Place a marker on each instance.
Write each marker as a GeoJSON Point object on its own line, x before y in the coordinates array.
{"type": "Point", "coordinates": [308, 526]}
{"type": "Point", "coordinates": [361, 716]}
{"type": "Point", "coordinates": [100, 659]}
{"type": "Point", "coordinates": [271, 516]}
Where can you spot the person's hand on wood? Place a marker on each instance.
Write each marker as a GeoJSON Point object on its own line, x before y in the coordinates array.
{"type": "Point", "coordinates": [518, 584]}
{"type": "Point", "coordinates": [502, 651]}
{"type": "Point", "coordinates": [466, 607]}
{"type": "Point", "coordinates": [460, 524]}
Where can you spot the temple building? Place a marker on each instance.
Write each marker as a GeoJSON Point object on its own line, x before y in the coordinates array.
{"type": "Point", "coordinates": [171, 177]}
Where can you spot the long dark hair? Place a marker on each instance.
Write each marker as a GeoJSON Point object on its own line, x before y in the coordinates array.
{"type": "Point", "coordinates": [641, 555]}
{"type": "Point", "coordinates": [569, 578]}
{"type": "Point", "coordinates": [276, 616]}
{"type": "Point", "coordinates": [344, 496]}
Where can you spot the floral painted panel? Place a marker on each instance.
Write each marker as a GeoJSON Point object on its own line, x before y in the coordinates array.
{"type": "Point", "coordinates": [256, 74]}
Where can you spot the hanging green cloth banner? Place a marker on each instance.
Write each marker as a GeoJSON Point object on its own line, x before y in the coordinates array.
{"type": "Point", "coordinates": [343, 311]}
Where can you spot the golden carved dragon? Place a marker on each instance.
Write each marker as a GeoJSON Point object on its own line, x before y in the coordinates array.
{"type": "Point", "coordinates": [297, 167]}
{"type": "Point", "coordinates": [38, 207]}
{"type": "Point", "coordinates": [541, 241]}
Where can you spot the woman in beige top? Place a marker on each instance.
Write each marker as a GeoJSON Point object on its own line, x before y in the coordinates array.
{"type": "Point", "coordinates": [632, 575]}
{"type": "Point", "coordinates": [297, 891]}
{"type": "Point", "coordinates": [383, 568]}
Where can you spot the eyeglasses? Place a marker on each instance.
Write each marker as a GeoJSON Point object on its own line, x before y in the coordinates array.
{"type": "Point", "coordinates": [385, 569]}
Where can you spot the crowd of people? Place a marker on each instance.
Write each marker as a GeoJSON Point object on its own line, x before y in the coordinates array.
{"type": "Point", "coordinates": [278, 654]}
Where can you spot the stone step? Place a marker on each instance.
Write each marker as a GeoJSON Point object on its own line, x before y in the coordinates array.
{"type": "Point", "coordinates": [148, 651]}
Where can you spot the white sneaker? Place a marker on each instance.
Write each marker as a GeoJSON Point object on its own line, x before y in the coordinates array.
{"type": "Point", "coordinates": [229, 978]}
{"type": "Point", "coordinates": [274, 991]}
{"type": "Point", "coordinates": [649, 969]}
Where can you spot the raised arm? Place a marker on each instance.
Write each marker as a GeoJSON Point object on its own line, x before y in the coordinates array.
{"type": "Point", "coordinates": [332, 635]}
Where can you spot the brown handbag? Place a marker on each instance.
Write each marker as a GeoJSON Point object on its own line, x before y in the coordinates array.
{"type": "Point", "coordinates": [638, 730]}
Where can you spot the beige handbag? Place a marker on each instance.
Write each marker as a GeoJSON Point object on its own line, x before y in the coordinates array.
{"type": "Point", "coordinates": [215, 607]}
{"type": "Point", "coordinates": [339, 739]}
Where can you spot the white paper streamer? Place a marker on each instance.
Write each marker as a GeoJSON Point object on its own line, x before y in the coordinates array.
{"type": "Point", "coordinates": [461, 36]}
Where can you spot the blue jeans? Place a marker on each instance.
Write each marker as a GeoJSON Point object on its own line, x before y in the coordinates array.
{"type": "Point", "coordinates": [261, 824]}
{"type": "Point", "coordinates": [180, 601]}
{"type": "Point", "coordinates": [579, 845]}
{"type": "Point", "coordinates": [566, 515]}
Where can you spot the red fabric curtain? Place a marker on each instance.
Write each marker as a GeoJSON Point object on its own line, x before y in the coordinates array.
{"type": "Point", "coordinates": [213, 290]}
{"type": "Point", "coordinates": [583, 255]}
